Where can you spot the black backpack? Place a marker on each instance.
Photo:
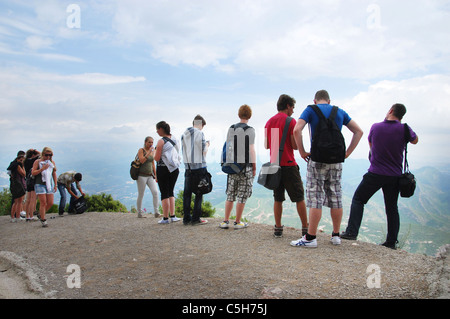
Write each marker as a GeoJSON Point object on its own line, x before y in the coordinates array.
{"type": "Point", "coordinates": [328, 143]}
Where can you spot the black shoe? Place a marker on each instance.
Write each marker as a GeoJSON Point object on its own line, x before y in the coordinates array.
{"type": "Point", "coordinates": [389, 245]}
{"type": "Point", "coordinates": [278, 231]}
{"type": "Point", "coordinates": [348, 236]}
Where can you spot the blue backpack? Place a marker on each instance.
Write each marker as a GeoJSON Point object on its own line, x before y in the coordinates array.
{"type": "Point", "coordinates": [230, 151]}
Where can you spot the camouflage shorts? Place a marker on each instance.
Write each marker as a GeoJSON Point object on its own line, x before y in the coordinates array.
{"type": "Point", "coordinates": [239, 186]}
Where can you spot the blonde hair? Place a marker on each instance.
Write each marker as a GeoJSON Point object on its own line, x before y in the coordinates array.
{"type": "Point", "coordinates": [46, 149]}
{"type": "Point", "coordinates": [148, 138]}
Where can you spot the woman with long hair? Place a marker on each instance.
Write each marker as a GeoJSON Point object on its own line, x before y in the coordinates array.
{"type": "Point", "coordinates": [147, 176]}
{"type": "Point", "coordinates": [31, 199]}
{"type": "Point", "coordinates": [44, 172]}
{"type": "Point", "coordinates": [167, 171]}
{"type": "Point", "coordinates": [18, 186]}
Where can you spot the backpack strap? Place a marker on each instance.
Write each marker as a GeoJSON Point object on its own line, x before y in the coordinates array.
{"type": "Point", "coordinates": [407, 138]}
{"type": "Point", "coordinates": [283, 138]}
{"type": "Point", "coordinates": [319, 112]}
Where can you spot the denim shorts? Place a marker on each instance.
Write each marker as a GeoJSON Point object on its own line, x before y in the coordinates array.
{"type": "Point", "coordinates": [42, 189]}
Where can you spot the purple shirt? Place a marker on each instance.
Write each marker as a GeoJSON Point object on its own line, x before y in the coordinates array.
{"type": "Point", "coordinates": [388, 145]}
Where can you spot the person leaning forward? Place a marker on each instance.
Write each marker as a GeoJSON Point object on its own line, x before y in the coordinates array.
{"type": "Point", "coordinates": [66, 181]}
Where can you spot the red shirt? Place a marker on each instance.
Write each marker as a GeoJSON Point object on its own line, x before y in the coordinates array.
{"type": "Point", "coordinates": [274, 127]}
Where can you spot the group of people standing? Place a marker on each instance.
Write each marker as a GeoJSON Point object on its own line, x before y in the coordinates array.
{"type": "Point", "coordinates": [35, 172]}
{"type": "Point", "coordinates": [323, 187]}
{"type": "Point", "coordinates": [33, 177]}
{"type": "Point", "coordinates": [160, 166]}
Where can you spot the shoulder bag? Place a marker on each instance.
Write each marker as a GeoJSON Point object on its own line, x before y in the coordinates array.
{"type": "Point", "coordinates": [270, 174]}
{"type": "Point", "coordinates": [407, 182]}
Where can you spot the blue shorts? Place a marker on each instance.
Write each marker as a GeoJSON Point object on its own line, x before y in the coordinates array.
{"type": "Point", "coordinates": [42, 189]}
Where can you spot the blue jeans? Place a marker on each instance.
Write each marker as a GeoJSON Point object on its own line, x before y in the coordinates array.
{"type": "Point", "coordinates": [370, 184]}
{"type": "Point", "coordinates": [190, 177]}
{"type": "Point", "coordinates": [62, 192]}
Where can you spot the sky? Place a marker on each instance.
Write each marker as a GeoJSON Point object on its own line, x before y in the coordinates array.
{"type": "Point", "coordinates": [96, 76]}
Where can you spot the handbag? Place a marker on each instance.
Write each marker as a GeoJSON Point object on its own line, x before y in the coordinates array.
{"type": "Point", "coordinates": [135, 167]}
{"type": "Point", "coordinates": [270, 174]}
{"type": "Point", "coordinates": [407, 182]}
{"type": "Point", "coordinates": [204, 185]}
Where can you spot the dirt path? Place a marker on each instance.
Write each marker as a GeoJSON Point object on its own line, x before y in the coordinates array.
{"type": "Point", "coordinates": [122, 256]}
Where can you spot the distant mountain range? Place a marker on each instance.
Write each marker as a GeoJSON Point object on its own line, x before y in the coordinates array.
{"type": "Point", "coordinates": [425, 218]}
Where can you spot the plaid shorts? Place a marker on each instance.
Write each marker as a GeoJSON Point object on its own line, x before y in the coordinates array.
{"type": "Point", "coordinates": [239, 186]}
{"type": "Point", "coordinates": [323, 185]}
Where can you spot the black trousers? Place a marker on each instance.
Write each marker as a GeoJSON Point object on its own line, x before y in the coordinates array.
{"type": "Point", "coordinates": [370, 184]}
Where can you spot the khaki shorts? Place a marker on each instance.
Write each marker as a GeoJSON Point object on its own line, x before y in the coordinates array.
{"type": "Point", "coordinates": [323, 185]}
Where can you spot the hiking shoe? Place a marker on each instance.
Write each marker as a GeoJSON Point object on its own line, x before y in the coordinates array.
{"type": "Point", "coordinates": [174, 219]}
{"type": "Point", "coordinates": [140, 215]}
{"type": "Point", "coordinates": [200, 222]}
{"type": "Point", "coordinates": [164, 221]}
{"type": "Point", "coordinates": [157, 215]}
{"type": "Point", "coordinates": [302, 242]}
{"type": "Point", "coordinates": [335, 240]}
{"type": "Point", "coordinates": [225, 224]}
{"type": "Point", "coordinates": [278, 231]}
{"type": "Point", "coordinates": [345, 235]}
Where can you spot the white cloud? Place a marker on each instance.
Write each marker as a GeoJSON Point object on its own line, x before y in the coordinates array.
{"type": "Point", "coordinates": [427, 113]}
{"type": "Point", "coordinates": [36, 42]}
{"type": "Point", "coordinates": [350, 39]}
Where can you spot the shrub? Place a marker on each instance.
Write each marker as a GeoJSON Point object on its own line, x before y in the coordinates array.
{"type": "Point", "coordinates": [5, 202]}
{"type": "Point", "coordinates": [104, 203]}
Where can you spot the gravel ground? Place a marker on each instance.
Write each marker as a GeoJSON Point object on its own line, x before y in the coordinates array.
{"type": "Point", "coordinates": [122, 256]}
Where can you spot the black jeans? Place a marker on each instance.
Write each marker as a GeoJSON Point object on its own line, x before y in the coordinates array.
{"type": "Point", "coordinates": [370, 184]}
{"type": "Point", "coordinates": [190, 178]}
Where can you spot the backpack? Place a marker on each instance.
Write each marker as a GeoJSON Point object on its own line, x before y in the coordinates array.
{"type": "Point", "coordinates": [229, 151]}
{"type": "Point", "coordinates": [328, 143]}
{"type": "Point", "coordinates": [174, 156]}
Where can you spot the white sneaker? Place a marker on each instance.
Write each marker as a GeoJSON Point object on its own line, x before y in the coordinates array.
{"type": "Point", "coordinates": [302, 242]}
{"type": "Point", "coordinates": [240, 225]}
{"type": "Point", "coordinates": [164, 221]}
{"type": "Point", "coordinates": [336, 240]}
{"type": "Point", "coordinates": [225, 224]}
{"type": "Point", "coordinates": [174, 219]}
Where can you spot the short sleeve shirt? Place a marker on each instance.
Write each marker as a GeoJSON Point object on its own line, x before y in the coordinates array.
{"type": "Point", "coordinates": [274, 128]}
{"type": "Point", "coordinates": [388, 145]}
{"type": "Point", "coordinates": [309, 116]}
{"type": "Point", "coordinates": [67, 178]}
